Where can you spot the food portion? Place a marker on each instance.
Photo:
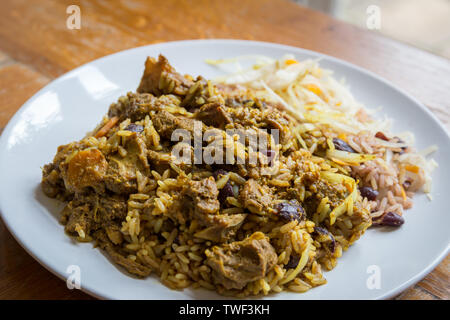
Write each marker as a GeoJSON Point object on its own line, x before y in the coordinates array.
{"type": "Point", "coordinates": [228, 186]}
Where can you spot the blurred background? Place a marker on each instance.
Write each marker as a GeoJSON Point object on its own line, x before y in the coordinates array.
{"type": "Point", "coordinates": [422, 23]}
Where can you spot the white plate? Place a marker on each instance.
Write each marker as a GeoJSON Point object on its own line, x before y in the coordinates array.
{"type": "Point", "coordinates": [73, 104]}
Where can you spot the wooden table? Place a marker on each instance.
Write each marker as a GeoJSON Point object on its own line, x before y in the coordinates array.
{"type": "Point", "coordinates": [36, 47]}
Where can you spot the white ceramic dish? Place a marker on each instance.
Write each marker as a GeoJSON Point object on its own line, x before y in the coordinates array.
{"type": "Point", "coordinates": [73, 104]}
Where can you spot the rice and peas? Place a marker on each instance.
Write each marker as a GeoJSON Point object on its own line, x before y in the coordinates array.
{"type": "Point", "coordinates": [228, 227]}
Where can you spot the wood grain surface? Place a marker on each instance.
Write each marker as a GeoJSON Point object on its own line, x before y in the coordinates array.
{"type": "Point", "coordinates": [36, 47]}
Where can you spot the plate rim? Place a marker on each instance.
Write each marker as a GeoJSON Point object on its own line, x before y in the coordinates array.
{"type": "Point", "coordinates": [91, 291]}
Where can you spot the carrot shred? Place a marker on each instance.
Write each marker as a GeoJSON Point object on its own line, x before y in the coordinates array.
{"type": "Point", "coordinates": [291, 61]}
{"type": "Point", "coordinates": [412, 168]}
{"type": "Point", "coordinates": [403, 193]}
{"type": "Point", "coordinates": [348, 187]}
{"type": "Point", "coordinates": [104, 130]}
{"type": "Point", "coordinates": [343, 163]}
{"type": "Point", "coordinates": [342, 136]}
{"type": "Point", "coordinates": [314, 88]}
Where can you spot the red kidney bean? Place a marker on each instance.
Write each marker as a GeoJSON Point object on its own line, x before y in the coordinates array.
{"type": "Point", "coordinates": [225, 192]}
{"type": "Point", "coordinates": [134, 128]}
{"type": "Point", "coordinates": [291, 210]}
{"type": "Point", "coordinates": [293, 261]}
{"type": "Point", "coordinates": [380, 135]}
{"type": "Point", "coordinates": [342, 145]}
{"type": "Point", "coordinates": [406, 184]}
{"type": "Point", "coordinates": [219, 172]}
{"type": "Point", "coordinates": [369, 193]}
{"type": "Point", "coordinates": [390, 219]}
{"type": "Point", "coordinates": [398, 140]}
{"type": "Point", "coordinates": [324, 232]}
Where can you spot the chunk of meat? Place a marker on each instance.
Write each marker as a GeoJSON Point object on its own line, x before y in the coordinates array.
{"type": "Point", "coordinates": [165, 123]}
{"type": "Point", "coordinates": [203, 194]}
{"type": "Point", "coordinates": [255, 197]}
{"type": "Point", "coordinates": [137, 150]}
{"type": "Point", "coordinates": [275, 121]}
{"type": "Point", "coordinates": [112, 208]}
{"type": "Point", "coordinates": [52, 183]}
{"type": "Point", "coordinates": [240, 262]}
{"type": "Point", "coordinates": [121, 174]}
{"type": "Point", "coordinates": [53, 174]}
{"type": "Point", "coordinates": [161, 78]}
{"type": "Point", "coordinates": [222, 228]}
{"type": "Point", "coordinates": [77, 216]}
{"type": "Point", "coordinates": [134, 106]}
{"type": "Point", "coordinates": [214, 114]}
{"type": "Point", "coordinates": [92, 212]}
{"type": "Point", "coordinates": [85, 169]}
